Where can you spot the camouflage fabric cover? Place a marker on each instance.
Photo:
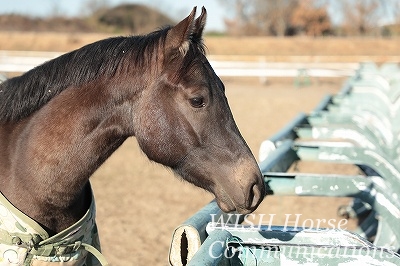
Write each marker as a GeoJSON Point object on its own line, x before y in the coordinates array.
{"type": "Point", "coordinates": [25, 242]}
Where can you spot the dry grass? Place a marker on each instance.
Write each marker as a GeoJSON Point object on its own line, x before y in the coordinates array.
{"type": "Point", "coordinates": [302, 46]}
{"type": "Point", "coordinates": [275, 49]}
{"type": "Point", "coordinates": [306, 49]}
{"type": "Point", "coordinates": [50, 41]}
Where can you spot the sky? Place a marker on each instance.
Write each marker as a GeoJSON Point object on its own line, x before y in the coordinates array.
{"type": "Point", "coordinates": [176, 10]}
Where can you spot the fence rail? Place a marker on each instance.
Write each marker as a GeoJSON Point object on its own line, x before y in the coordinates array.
{"type": "Point", "coordinates": [22, 61]}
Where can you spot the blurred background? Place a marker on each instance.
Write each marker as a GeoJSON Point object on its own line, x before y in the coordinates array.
{"type": "Point", "coordinates": [226, 17]}
{"type": "Point", "coordinates": [140, 203]}
{"type": "Point", "coordinates": [252, 30]}
{"type": "Point", "coordinates": [345, 30]}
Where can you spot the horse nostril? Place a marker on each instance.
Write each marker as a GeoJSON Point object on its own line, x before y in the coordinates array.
{"type": "Point", "coordinates": [256, 196]}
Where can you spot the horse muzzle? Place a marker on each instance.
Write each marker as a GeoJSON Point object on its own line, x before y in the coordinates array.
{"type": "Point", "coordinates": [242, 196]}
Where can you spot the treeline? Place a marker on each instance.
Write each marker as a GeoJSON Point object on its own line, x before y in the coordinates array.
{"type": "Point", "coordinates": [313, 17]}
{"type": "Point", "coordinates": [125, 18]}
{"type": "Point", "coordinates": [246, 18]}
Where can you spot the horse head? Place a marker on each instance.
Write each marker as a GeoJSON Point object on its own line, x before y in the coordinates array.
{"type": "Point", "coordinates": [184, 122]}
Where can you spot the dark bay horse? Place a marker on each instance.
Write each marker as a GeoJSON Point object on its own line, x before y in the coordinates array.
{"type": "Point", "coordinates": [61, 120]}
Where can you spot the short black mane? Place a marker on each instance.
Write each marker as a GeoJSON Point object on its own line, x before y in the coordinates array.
{"type": "Point", "coordinates": [20, 96]}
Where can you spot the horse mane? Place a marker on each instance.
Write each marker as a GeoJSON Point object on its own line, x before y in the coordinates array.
{"type": "Point", "coordinates": [21, 96]}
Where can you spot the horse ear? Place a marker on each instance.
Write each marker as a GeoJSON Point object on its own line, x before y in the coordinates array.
{"type": "Point", "coordinates": [179, 36]}
{"type": "Point", "coordinates": [199, 24]}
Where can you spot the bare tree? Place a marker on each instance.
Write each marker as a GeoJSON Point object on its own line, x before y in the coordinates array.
{"type": "Point", "coordinates": [275, 15]}
{"type": "Point", "coordinates": [56, 11]}
{"type": "Point", "coordinates": [311, 19]}
{"type": "Point", "coordinates": [391, 10]}
{"type": "Point", "coordinates": [237, 24]}
{"type": "Point", "coordinates": [360, 16]}
{"type": "Point", "coordinates": [396, 11]}
{"type": "Point", "coordinates": [260, 17]}
{"type": "Point", "coordinates": [92, 6]}
{"type": "Point", "coordinates": [281, 17]}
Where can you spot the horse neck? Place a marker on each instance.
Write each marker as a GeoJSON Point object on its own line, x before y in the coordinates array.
{"type": "Point", "coordinates": [59, 147]}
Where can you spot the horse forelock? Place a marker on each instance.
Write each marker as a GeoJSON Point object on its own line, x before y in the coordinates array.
{"type": "Point", "coordinates": [20, 96]}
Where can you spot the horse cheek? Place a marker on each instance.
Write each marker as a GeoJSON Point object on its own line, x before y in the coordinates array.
{"type": "Point", "coordinates": [158, 139]}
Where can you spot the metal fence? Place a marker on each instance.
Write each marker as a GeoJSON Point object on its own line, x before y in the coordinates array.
{"type": "Point", "coordinates": [358, 126]}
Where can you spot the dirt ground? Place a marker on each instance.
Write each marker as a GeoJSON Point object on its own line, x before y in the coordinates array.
{"type": "Point", "coordinates": [140, 203]}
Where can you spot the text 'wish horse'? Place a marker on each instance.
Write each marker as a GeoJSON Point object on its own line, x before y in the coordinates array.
{"type": "Point", "coordinates": [61, 120]}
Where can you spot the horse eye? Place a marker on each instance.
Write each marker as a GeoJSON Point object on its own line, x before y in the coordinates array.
{"type": "Point", "coordinates": [197, 102]}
